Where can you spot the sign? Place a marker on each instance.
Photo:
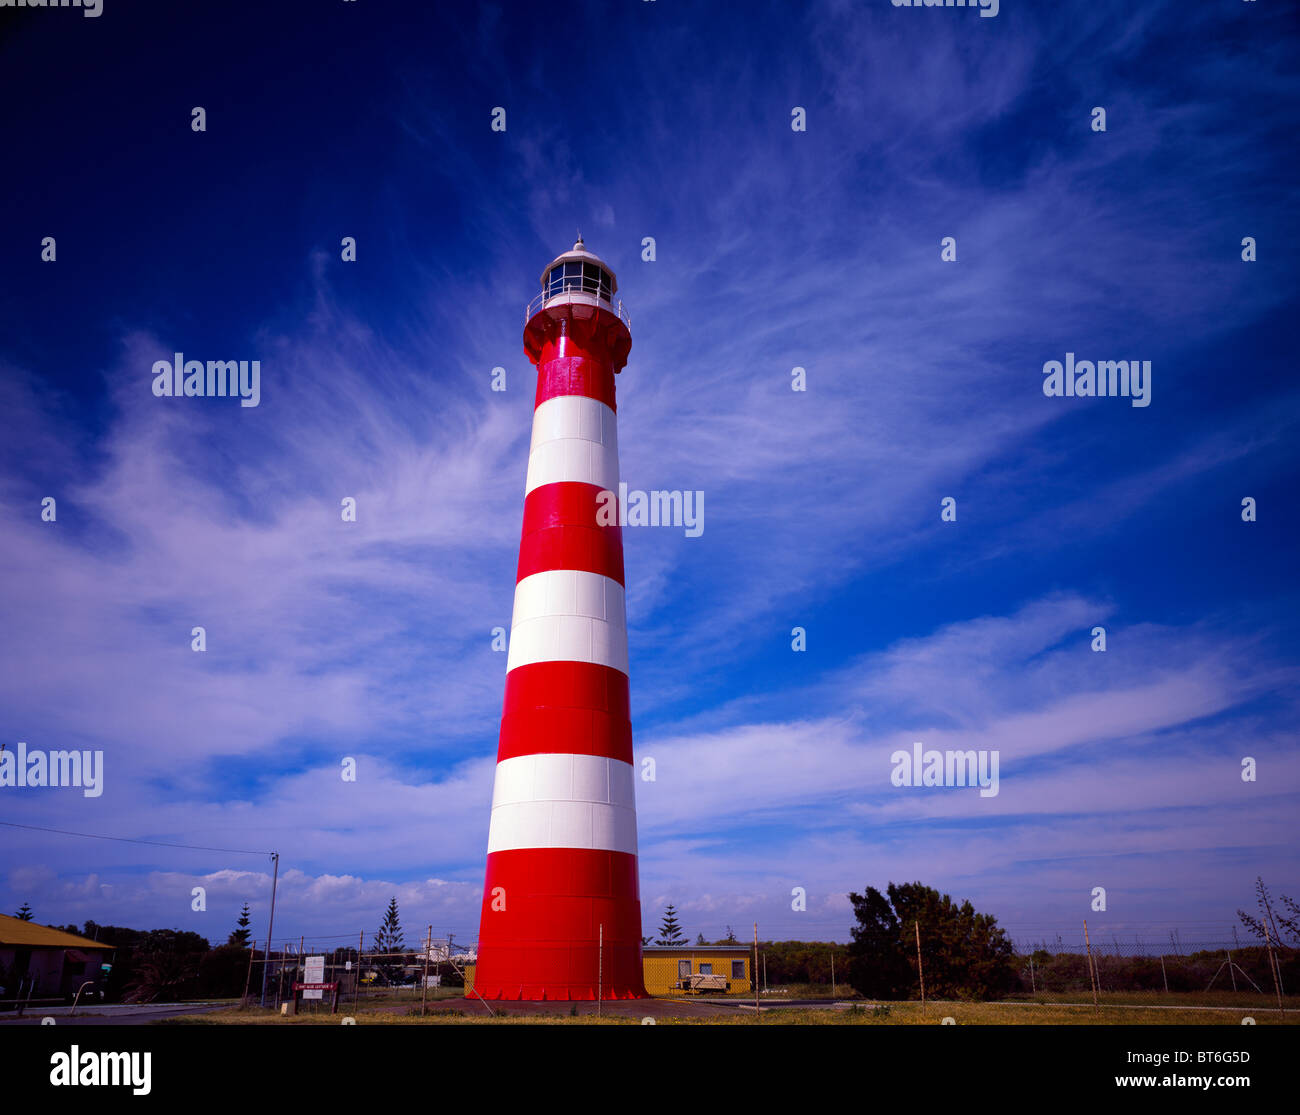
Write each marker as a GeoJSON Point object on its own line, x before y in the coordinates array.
{"type": "Point", "coordinates": [313, 977]}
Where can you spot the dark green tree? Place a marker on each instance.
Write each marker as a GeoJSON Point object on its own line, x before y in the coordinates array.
{"type": "Point", "coordinates": [24, 912]}
{"type": "Point", "coordinates": [389, 940]}
{"type": "Point", "coordinates": [877, 963]}
{"type": "Point", "coordinates": [165, 965]}
{"type": "Point", "coordinates": [964, 953]}
{"type": "Point", "coordinates": [239, 937]}
{"type": "Point", "coordinates": [730, 938]}
{"type": "Point", "coordinates": [670, 932]}
{"type": "Point", "coordinates": [699, 939]}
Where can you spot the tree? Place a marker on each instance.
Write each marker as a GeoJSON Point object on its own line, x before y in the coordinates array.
{"type": "Point", "coordinates": [964, 954]}
{"type": "Point", "coordinates": [1270, 925]}
{"type": "Point", "coordinates": [165, 964]}
{"type": "Point", "coordinates": [389, 940]}
{"type": "Point", "coordinates": [24, 912]}
{"type": "Point", "coordinates": [699, 939]}
{"type": "Point", "coordinates": [670, 932]}
{"type": "Point", "coordinates": [877, 962]}
{"type": "Point", "coordinates": [239, 938]}
{"type": "Point", "coordinates": [730, 938]}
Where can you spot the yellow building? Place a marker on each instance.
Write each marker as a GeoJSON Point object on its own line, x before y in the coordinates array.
{"type": "Point", "coordinates": [686, 970]}
{"type": "Point", "coordinates": [696, 969]}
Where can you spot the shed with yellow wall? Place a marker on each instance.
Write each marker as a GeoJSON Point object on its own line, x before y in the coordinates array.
{"type": "Point", "coordinates": [666, 968]}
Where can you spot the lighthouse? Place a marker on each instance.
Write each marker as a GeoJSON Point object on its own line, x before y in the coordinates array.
{"type": "Point", "coordinates": [561, 915]}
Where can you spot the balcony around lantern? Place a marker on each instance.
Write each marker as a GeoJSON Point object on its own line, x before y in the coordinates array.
{"type": "Point", "coordinates": [578, 283]}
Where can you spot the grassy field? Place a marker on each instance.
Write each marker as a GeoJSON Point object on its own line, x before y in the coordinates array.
{"type": "Point", "coordinates": [674, 1012]}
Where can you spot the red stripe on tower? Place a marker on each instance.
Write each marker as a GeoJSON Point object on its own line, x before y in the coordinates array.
{"type": "Point", "coordinates": [561, 916]}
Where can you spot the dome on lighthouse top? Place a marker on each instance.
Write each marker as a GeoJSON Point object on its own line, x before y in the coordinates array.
{"type": "Point", "coordinates": [579, 271]}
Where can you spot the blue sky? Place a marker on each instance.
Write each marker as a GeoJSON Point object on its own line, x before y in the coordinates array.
{"type": "Point", "coordinates": [775, 249]}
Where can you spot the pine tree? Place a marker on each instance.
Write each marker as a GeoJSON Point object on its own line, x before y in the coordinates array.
{"type": "Point", "coordinates": [699, 940]}
{"type": "Point", "coordinates": [670, 932]}
{"type": "Point", "coordinates": [24, 912]}
{"type": "Point", "coordinates": [389, 940]}
{"type": "Point", "coordinates": [239, 938]}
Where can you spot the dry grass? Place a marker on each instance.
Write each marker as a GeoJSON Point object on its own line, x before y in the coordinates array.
{"type": "Point", "coordinates": [885, 1014]}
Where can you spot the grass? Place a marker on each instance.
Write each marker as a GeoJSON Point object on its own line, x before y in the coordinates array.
{"type": "Point", "coordinates": [866, 1014]}
{"type": "Point", "coordinates": [1244, 1000]}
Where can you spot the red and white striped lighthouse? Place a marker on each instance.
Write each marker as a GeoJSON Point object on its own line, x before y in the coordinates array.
{"type": "Point", "coordinates": [561, 915]}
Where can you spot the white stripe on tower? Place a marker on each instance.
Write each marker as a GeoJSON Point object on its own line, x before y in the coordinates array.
{"type": "Point", "coordinates": [566, 615]}
{"type": "Point", "coordinates": [575, 439]}
{"type": "Point", "coordinates": [563, 801]}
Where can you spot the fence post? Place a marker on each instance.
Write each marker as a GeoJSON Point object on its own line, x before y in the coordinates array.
{"type": "Point", "coordinates": [920, 973]}
{"type": "Point", "coordinates": [1272, 963]}
{"type": "Point", "coordinates": [1092, 975]}
{"type": "Point", "coordinates": [356, 983]}
{"type": "Point", "coordinates": [248, 979]}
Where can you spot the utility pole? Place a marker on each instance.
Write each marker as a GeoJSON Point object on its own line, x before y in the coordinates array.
{"type": "Point", "coordinates": [755, 971]}
{"type": "Point", "coordinates": [270, 925]}
{"type": "Point", "coordinates": [424, 994]}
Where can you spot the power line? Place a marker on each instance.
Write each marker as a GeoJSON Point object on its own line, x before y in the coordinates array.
{"type": "Point", "coordinates": [131, 840]}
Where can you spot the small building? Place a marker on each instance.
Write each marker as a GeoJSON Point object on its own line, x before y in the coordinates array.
{"type": "Point", "coordinates": [696, 969]}
{"type": "Point", "coordinates": [686, 970]}
{"type": "Point", "coordinates": [46, 963]}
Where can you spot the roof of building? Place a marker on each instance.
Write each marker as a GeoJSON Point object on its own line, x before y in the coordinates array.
{"type": "Point", "coordinates": [27, 934]}
{"type": "Point", "coordinates": [738, 947]}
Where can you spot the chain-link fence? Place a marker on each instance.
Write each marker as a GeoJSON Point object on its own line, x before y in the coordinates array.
{"type": "Point", "coordinates": [1218, 972]}
{"type": "Point", "coordinates": [319, 975]}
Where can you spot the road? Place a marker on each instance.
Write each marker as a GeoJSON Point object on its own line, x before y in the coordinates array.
{"type": "Point", "coordinates": [114, 1014]}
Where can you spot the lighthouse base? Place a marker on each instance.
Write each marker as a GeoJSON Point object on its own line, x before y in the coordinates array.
{"type": "Point", "coordinates": [560, 924]}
